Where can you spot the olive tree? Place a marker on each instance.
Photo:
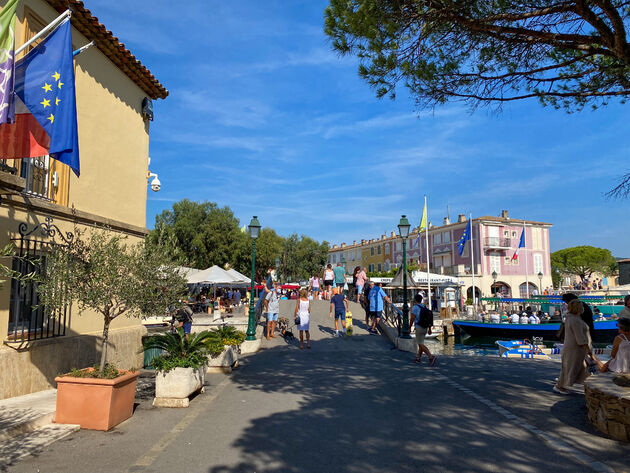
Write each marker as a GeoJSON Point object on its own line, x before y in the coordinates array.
{"type": "Point", "coordinates": [103, 272]}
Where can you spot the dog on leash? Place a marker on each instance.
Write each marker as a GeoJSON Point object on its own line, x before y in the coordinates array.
{"type": "Point", "coordinates": [283, 325]}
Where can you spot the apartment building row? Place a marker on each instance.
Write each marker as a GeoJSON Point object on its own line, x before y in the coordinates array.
{"type": "Point", "coordinates": [494, 242]}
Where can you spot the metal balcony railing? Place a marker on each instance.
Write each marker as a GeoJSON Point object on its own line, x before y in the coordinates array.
{"type": "Point", "coordinates": [497, 242]}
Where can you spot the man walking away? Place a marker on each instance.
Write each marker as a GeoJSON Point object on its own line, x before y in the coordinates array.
{"type": "Point", "coordinates": [272, 307]}
{"type": "Point", "coordinates": [340, 276]}
{"type": "Point", "coordinates": [339, 305]}
{"type": "Point", "coordinates": [377, 295]}
{"type": "Point", "coordinates": [423, 319]}
{"type": "Point", "coordinates": [587, 313]}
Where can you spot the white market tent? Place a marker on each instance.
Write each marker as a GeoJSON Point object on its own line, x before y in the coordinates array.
{"type": "Point", "coordinates": [241, 277]}
{"type": "Point", "coordinates": [187, 272]}
{"type": "Point", "coordinates": [213, 275]}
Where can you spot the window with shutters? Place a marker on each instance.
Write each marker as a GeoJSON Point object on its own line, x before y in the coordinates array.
{"type": "Point", "coordinates": [495, 263]}
{"type": "Point", "coordinates": [538, 263]}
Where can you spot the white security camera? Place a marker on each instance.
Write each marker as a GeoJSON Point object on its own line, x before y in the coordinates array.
{"type": "Point", "coordinates": [156, 184]}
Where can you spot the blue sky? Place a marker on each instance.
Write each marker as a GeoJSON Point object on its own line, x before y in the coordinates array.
{"type": "Point", "coordinates": [264, 117]}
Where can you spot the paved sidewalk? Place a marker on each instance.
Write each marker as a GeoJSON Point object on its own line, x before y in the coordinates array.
{"type": "Point", "coordinates": [353, 405]}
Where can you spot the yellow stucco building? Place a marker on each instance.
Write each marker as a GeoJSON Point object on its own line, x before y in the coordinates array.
{"type": "Point", "coordinates": [42, 201]}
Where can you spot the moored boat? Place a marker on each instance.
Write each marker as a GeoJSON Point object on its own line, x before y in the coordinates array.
{"type": "Point", "coordinates": [605, 331]}
{"type": "Point", "coordinates": [524, 347]}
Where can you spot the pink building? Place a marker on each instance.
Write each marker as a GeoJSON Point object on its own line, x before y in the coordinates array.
{"type": "Point", "coordinates": [494, 242]}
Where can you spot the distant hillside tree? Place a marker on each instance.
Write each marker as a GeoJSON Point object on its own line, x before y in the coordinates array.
{"type": "Point", "coordinates": [583, 261]}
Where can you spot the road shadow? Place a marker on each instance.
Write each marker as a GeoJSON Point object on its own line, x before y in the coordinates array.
{"type": "Point", "coordinates": [365, 408]}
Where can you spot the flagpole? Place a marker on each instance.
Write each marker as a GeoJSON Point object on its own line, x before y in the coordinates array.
{"type": "Point", "coordinates": [56, 22]}
{"type": "Point", "coordinates": [472, 262]}
{"type": "Point", "coordinates": [526, 263]}
{"type": "Point", "coordinates": [426, 240]}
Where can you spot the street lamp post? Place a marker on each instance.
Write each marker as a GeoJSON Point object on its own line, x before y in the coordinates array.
{"type": "Point", "coordinates": [403, 230]}
{"type": "Point", "coordinates": [254, 231]}
{"type": "Point", "coordinates": [494, 286]}
{"type": "Point", "coordinates": [540, 276]}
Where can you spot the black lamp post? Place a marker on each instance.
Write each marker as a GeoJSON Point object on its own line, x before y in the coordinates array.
{"type": "Point", "coordinates": [254, 231]}
{"type": "Point", "coordinates": [403, 230]}
{"type": "Point", "coordinates": [494, 285]}
{"type": "Point", "coordinates": [540, 276]}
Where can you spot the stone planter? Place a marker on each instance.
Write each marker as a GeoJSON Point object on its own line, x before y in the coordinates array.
{"type": "Point", "coordinates": [608, 406]}
{"type": "Point", "coordinates": [225, 362]}
{"type": "Point", "coordinates": [173, 388]}
{"type": "Point", "coordinates": [96, 404]}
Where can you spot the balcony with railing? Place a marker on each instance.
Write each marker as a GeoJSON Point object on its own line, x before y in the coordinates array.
{"type": "Point", "coordinates": [497, 243]}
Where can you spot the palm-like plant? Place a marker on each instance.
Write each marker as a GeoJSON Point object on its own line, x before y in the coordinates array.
{"type": "Point", "coordinates": [181, 351]}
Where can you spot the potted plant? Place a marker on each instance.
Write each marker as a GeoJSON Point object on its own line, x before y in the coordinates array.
{"type": "Point", "coordinates": [181, 367]}
{"type": "Point", "coordinates": [225, 342]}
{"type": "Point", "coordinates": [102, 273]}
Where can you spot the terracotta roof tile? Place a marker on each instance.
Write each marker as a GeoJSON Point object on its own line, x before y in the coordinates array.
{"type": "Point", "coordinates": [89, 26]}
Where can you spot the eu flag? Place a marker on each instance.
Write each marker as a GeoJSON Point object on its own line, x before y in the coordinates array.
{"type": "Point", "coordinates": [44, 81]}
{"type": "Point", "coordinates": [461, 244]}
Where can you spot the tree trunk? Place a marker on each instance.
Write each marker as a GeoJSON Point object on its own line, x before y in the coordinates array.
{"type": "Point", "coordinates": [105, 342]}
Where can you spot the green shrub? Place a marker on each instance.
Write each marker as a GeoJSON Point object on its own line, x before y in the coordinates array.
{"type": "Point", "coordinates": [109, 372]}
{"type": "Point", "coordinates": [180, 351]}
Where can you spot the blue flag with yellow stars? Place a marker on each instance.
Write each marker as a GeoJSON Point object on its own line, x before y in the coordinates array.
{"type": "Point", "coordinates": [44, 81]}
{"type": "Point", "coordinates": [461, 244]}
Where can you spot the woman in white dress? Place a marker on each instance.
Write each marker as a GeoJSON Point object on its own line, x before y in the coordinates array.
{"type": "Point", "coordinates": [303, 310]}
{"type": "Point", "coordinates": [620, 355]}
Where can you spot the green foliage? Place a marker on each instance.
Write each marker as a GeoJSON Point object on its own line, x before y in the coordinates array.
{"type": "Point", "coordinates": [302, 257]}
{"type": "Point", "coordinates": [100, 271]}
{"type": "Point", "coordinates": [8, 254]}
{"type": "Point", "coordinates": [227, 335]}
{"type": "Point", "coordinates": [108, 372]}
{"type": "Point", "coordinates": [566, 54]}
{"type": "Point", "coordinates": [201, 235]}
{"type": "Point", "coordinates": [180, 351]}
{"type": "Point", "coordinates": [583, 261]}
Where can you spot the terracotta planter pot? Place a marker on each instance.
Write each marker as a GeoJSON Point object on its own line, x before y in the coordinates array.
{"type": "Point", "coordinates": [96, 404]}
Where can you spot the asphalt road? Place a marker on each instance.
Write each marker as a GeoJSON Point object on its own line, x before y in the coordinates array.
{"type": "Point", "coordinates": [352, 405]}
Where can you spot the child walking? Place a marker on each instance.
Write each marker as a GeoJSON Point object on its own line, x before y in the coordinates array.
{"type": "Point", "coordinates": [303, 311]}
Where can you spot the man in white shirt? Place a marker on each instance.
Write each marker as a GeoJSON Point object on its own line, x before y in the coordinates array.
{"type": "Point", "coordinates": [514, 319]}
{"type": "Point", "coordinates": [494, 318]}
{"type": "Point", "coordinates": [524, 319]}
{"type": "Point", "coordinates": [533, 319]}
{"type": "Point", "coordinates": [272, 307]}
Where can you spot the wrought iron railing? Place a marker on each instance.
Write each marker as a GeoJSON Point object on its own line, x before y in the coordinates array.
{"type": "Point", "coordinates": [393, 315]}
{"type": "Point", "coordinates": [28, 319]}
{"type": "Point", "coordinates": [498, 242]}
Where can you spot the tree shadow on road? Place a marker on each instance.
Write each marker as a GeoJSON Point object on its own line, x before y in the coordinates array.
{"type": "Point", "coordinates": [371, 409]}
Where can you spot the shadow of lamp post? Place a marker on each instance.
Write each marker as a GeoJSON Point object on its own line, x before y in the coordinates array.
{"type": "Point", "coordinates": [403, 230]}
{"type": "Point", "coordinates": [254, 231]}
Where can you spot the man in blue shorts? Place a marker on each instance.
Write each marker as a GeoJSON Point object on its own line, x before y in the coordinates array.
{"type": "Point", "coordinates": [376, 297]}
{"type": "Point", "coordinates": [339, 304]}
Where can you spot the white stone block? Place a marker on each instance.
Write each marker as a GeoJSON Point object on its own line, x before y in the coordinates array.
{"type": "Point", "coordinates": [179, 383]}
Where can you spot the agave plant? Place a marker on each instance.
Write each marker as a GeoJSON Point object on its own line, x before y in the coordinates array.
{"type": "Point", "coordinates": [181, 351]}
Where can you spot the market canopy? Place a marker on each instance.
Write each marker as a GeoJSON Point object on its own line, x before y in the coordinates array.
{"type": "Point", "coordinates": [213, 275]}
{"type": "Point", "coordinates": [397, 282]}
{"type": "Point", "coordinates": [241, 277]}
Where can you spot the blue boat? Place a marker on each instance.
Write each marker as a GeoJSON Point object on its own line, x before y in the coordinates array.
{"type": "Point", "coordinates": [605, 331]}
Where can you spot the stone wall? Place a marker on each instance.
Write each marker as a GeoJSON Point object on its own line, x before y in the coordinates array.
{"type": "Point", "coordinates": [33, 367]}
{"type": "Point", "coordinates": [608, 406]}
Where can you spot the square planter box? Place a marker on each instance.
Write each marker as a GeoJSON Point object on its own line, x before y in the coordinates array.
{"type": "Point", "coordinates": [173, 388]}
{"type": "Point", "coordinates": [96, 404]}
{"type": "Point", "coordinates": [224, 363]}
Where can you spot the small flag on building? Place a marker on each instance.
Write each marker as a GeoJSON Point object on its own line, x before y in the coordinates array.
{"type": "Point", "coordinates": [461, 244]}
{"type": "Point", "coordinates": [7, 61]}
{"type": "Point", "coordinates": [521, 244]}
{"type": "Point", "coordinates": [44, 83]}
{"type": "Point", "coordinates": [423, 221]}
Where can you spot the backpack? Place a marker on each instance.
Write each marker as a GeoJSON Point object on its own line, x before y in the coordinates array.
{"type": "Point", "coordinates": [426, 317]}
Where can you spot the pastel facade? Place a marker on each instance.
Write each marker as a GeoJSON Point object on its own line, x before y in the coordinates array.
{"type": "Point", "coordinates": [494, 242]}
{"type": "Point", "coordinates": [42, 196]}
